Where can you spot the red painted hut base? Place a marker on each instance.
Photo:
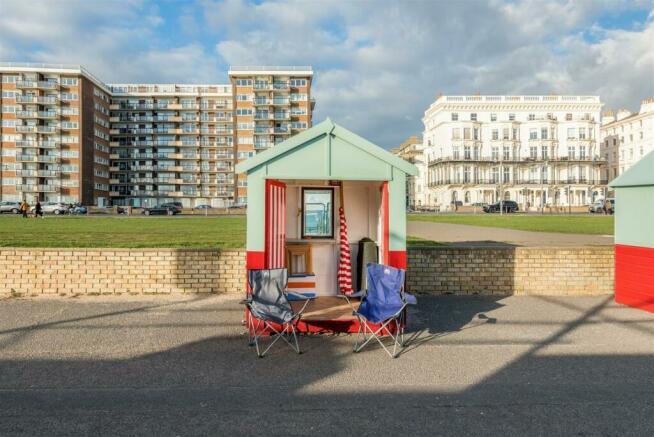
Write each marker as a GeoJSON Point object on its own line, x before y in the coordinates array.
{"type": "Point", "coordinates": [328, 315]}
{"type": "Point", "coordinates": [634, 276]}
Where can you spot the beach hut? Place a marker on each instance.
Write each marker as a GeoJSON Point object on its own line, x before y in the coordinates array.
{"type": "Point", "coordinates": [295, 192]}
{"type": "Point", "coordinates": [634, 235]}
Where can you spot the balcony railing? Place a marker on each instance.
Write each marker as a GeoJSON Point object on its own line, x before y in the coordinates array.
{"type": "Point", "coordinates": [47, 188]}
{"type": "Point", "coordinates": [528, 181]}
{"type": "Point", "coordinates": [44, 85]}
{"type": "Point", "coordinates": [516, 160]}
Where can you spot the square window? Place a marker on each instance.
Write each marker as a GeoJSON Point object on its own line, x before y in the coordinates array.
{"type": "Point", "coordinates": [317, 213]}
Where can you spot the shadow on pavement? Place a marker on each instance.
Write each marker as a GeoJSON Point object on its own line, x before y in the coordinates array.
{"type": "Point", "coordinates": [215, 384]}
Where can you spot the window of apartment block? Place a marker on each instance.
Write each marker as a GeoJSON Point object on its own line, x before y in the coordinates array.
{"type": "Point", "coordinates": [571, 133]}
{"type": "Point", "coordinates": [582, 133]}
{"type": "Point", "coordinates": [532, 117]}
{"type": "Point", "coordinates": [582, 152]}
{"type": "Point", "coordinates": [466, 133]}
{"type": "Point", "coordinates": [506, 171]}
{"type": "Point", "coordinates": [505, 133]}
{"type": "Point", "coordinates": [495, 134]}
{"type": "Point", "coordinates": [455, 116]}
{"type": "Point", "coordinates": [515, 133]}
{"type": "Point", "coordinates": [507, 153]}
{"type": "Point", "coordinates": [571, 152]}
{"type": "Point", "coordinates": [466, 152]}
{"type": "Point", "coordinates": [533, 134]}
{"type": "Point", "coordinates": [543, 133]}
{"type": "Point", "coordinates": [473, 116]}
{"type": "Point", "coordinates": [493, 117]}
{"type": "Point", "coordinates": [511, 117]}
{"type": "Point", "coordinates": [568, 117]}
{"type": "Point", "coordinates": [69, 81]}
{"type": "Point", "coordinates": [544, 152]}
{"type": "Point", "coordinates": [466, 174]}
{"type": "Point", "coordinates": [631, 137]}
{"type": "Point", "coordinates": [533, 152]}
{"type": "Point", "coordinates": [475, 133]}
{"type": "Point", "coordinates": [641, 150]}
{"type": "Point", "coordinates": [455, 153]}
{"type": "Point", "coordinates": [476, 152]}
{"type": "Point", "coordinates": [631, 153]}
{"type": "Point", "coordinates": [243, 97]}
{"type": "Point", "coordinates": [495, 153]}
{"type": "Point", "coordinates": [456, 133]}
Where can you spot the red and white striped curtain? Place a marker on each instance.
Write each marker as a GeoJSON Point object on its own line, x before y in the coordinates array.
{"type": "Point", "coordinates": [344, 261]}
{"type": "Point", "coordinates": [275, 224]}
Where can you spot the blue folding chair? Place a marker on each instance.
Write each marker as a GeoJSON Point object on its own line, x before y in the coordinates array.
{"type": "Point", "coordinates": [385, 305]}
{"type": "Point", "coordinates": [269, 308]}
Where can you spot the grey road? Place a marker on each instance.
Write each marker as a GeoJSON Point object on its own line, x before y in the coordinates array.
{"type": "Point", "coordinates": [466, 235]}
{"type": "Point", "coordinates": [476, 366]}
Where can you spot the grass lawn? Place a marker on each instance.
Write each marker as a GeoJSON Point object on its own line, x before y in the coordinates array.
{"type": "Point", "coordinates": [132, 232]}
{"type": "Point", "coordinates": [587, 224]}
{"type": "Point", "coordinates": [126, 232]}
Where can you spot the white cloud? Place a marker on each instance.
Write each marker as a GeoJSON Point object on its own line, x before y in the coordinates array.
{"type": "Point", "coordinates": [378, 64]}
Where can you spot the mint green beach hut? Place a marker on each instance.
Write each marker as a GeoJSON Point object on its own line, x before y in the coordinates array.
{"type": "Point", "coordinates": [295, 191]}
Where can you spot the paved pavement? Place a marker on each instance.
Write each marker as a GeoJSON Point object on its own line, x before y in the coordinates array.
{"type": "Point", "coordinates": [476, 366]}
{"type": "Point", "coordinates": [466, 235]}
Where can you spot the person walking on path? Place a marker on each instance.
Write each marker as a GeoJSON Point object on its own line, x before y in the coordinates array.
{"type": "Point", "coordinates": [38, 211]}
{"type": "Point", "coordinates": [24, 208]}
{"type": "Point", "coordinates": [607, 206]}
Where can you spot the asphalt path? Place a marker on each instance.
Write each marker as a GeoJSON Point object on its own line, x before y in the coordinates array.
{"type": "Point", "coordinates": [510, 366]}
{"type": "Point", "coordinates": [466, 235]}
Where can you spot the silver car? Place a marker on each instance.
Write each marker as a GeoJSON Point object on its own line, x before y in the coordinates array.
{"type": "Point", "coordinates": [12, 207]}
{"type": "Point", "coordinates": [56, 208]}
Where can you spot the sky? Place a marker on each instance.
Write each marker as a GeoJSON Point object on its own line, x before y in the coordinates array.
{"type": "Point", "coordinates": [378, 65]}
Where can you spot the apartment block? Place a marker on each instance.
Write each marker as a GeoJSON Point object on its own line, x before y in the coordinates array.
{"type": "Point", "coordinates": [627, 137]}
{"type": "Point", "coordinates": [54, 135]}
{"type": "Point", "coordinates": [270, 105]}
{"type": "Point", "coordinates": [536, 150]}
{"type": "Point", "coordinates": [69, 137]}
{"type": "Point", "coordinates": [412, 150]}
{"type": "Point", "coordinates": [172, 143]}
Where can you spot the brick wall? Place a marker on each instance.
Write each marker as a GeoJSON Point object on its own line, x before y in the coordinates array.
{"type": "Point", "coordinates": [89, 271]}
{"type": "Point", "coordinates": [438, 270]}
{"type": "Point", "coordinates": [511, 270]}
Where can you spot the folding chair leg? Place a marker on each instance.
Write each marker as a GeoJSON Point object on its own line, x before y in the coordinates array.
{"type": "Point", "coordinates": [375, 335]}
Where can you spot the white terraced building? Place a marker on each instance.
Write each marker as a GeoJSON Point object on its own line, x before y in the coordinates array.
{"type": "Point", "coordinates": [539, 151]}
{"type": "Point", "coordinates": [627, 137]}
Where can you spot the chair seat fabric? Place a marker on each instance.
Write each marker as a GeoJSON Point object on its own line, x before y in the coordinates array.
{"type": "Point", "coordinates": [383, 299]}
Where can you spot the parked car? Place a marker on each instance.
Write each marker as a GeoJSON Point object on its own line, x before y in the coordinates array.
{"type": "Point", "coordinates": [507, 206]}
{"type": "Point", "coordinates": [78, 210]}
{"type": "Point", "coordinates": [56, 208]}
{"type": "Point", "coordinates": [175, 206]}
{"type": "Point", "coordinates": [12, 207]}
{"type": "Point", "coordinates": [159, 210]}
{"type": "Point", "coordinates": [596, 207]}
{"type": "Point", "coordinates": [203, 207]}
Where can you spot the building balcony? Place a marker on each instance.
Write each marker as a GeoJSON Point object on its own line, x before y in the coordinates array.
{"type": "Point", "coordinates": [38, 173]}
{"type": "Point", "coordinates": [517, 160]}
{"type": "Point", "coordinates": [262, 102]}
{"type": "Point", "coordinates": [41, 85]}
{"type": "Point", "coordinates": [41, 100]}
{"type": "Point", "coordinates": [262, 86]}
{"type": "Point", "coordinates": [281, 102]}
{"type": "Point", "coordinates": [519, 181]}
{"type": "Point", "coordinates": [37, 144]}
{"type": "Point", "coordinates": [37, 158]}
{"type": "Point", "coordinates": [38, 188]}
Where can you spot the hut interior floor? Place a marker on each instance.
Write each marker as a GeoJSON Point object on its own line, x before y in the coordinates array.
{"type": "Point", "coordinates": [324, 308]}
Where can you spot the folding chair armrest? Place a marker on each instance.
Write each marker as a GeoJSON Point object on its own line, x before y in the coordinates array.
{"type": "Point", "coordinates": [299, 313]}
{"type": "Point", "coordinates": [410, 299]}
{"type": "Point", "coordinates": [294, 295]}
